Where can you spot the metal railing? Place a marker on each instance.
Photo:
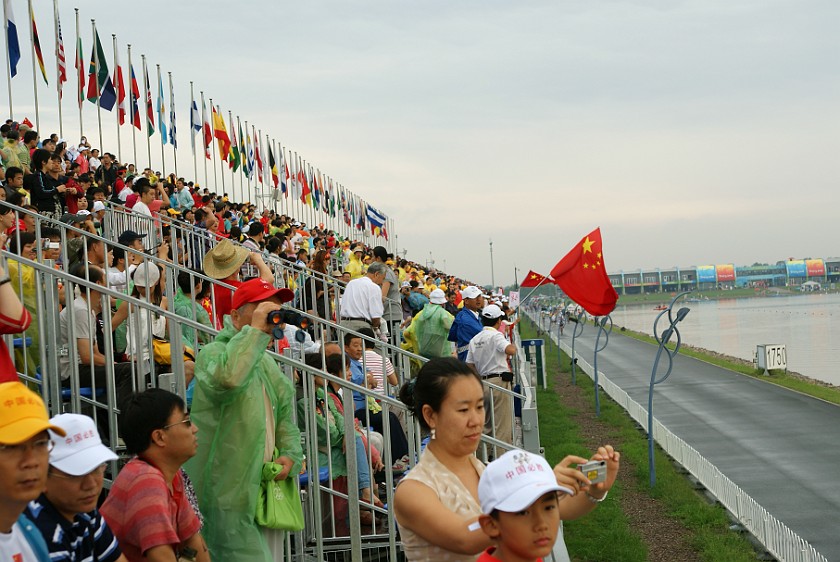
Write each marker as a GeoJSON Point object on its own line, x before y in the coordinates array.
{"type": "Point", "coordinates": [328, 530]}
{"type": "Point", "coordinates": [777, 538]}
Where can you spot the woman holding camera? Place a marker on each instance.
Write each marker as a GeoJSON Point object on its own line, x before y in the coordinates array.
{"type": "Point", "coordinates": [436, 504]}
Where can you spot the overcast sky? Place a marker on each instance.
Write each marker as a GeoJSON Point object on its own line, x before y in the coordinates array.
{"type": "Point", "coordinates": [692, 132]}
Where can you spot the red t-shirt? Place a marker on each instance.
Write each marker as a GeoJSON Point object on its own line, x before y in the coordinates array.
{"type": "Point", "coordinates": [224, 301]}
{"type": "Point", "coordinates": [72, 199]}
{"type": "Point", "coordinates": [131, 200]}
{"type": "Point", "coordinates": [143, 513]}
{"type": "Point", "coordinates": [487, 556]}
{"type": "Point", "coordinates": [8, 372]}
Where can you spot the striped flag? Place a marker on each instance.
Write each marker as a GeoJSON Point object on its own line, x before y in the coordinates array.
{"type": "Point", "coordinates": [161, 111]}
{"type": "Point", "coordinates": [37, 45]}
{"type": "Point", "coordinates": [150, 111]}
{"type": "Point", "coordinates": [235, 154]}
{"type": "Point", "coordinates": [99, 81]}
{"type": "Point", "coordinates": [119, 86]}
{"type": "Point", "coordinates": [275, 177]}
{"type": "Point", "coordinates": [60, 58]}
{"type": "Point", "coordinates": [195, 123]}
{"type": "Point", "coordinates": [172, 139]}
{"type": "Point", "coordinates": [80, 71]}
{"type": "Point", "coordinates": [14, 44]}
{"type": "Point", "coordinates": [134, 100]}
{"type": "Point", "coordinates": [208, 134]}
{"type": "Point", "coordinates": [258, 159]}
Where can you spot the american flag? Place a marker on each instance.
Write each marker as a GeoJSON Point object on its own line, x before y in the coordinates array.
{"type": "Point", "coordinates": [62, 62]}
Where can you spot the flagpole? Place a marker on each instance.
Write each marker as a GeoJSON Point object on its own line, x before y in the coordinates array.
{"type": "Point", "coordinates": [161, 124]}
{"type": "Point", "coordinates": [543, 280]}
{"type": "Point", "coordinates": [172, 140]}
{"type": "Point", "coordinates": [213, 146]}
{"type": "Point", "coordinates": [57, 68]}
{"type": "Point", "coordinates": [192, 132]}
{"type": "Point", "coordinates": [96, 79]}
{"type": "Point", "coordinates": [131, 94]}
{"type": "Point", "coordinates": [258, 175]}
{"type": "Point", "coordinates": [79, 74]}
{"type": "Point", "coordinates": [146, 104]}
{"type": "Point", "coordinates": [203, 121]}
{"type": "Point", "coordinates": [232, 172]}
{"type": "Point", "coordinates": [9, 56]}
{"type": "Point", "coordinates": [116, 71]}
{"type": "Point", "coordinates": [34, 74]}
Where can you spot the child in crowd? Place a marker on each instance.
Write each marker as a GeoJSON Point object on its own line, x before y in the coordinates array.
{"type": "Point", "coordinates": [519, 497]}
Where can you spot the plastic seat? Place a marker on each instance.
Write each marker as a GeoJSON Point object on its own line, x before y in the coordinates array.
{"type": "Point", "coordinates": [67, 393]}
{"type": "Point", "coordinates": [20, 343]}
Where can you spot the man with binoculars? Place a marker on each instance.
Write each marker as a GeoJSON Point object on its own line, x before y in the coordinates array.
{"type": "Point", "coordinates": [243, 407]}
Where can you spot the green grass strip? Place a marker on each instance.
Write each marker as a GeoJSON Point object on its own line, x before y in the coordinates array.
{"type": "Point", "coordinates": [605, 534]}
{"type": "Point", "coordinates": [778, 377]}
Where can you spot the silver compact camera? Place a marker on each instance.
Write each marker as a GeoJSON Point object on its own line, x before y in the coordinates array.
{"type": "Point", "coordinates": [595, 471]}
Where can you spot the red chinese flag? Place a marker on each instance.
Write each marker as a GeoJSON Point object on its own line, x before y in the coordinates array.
{"type": "Point", "coordinates": [534, 280]}
{"type": "Point", "coordinates": [582, 276]}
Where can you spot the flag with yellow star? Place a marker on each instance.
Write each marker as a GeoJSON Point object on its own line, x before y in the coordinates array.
{"type": "Point", "coordinates": [583, 277]}
{"type": "Point", "coordinates": [535, 280]}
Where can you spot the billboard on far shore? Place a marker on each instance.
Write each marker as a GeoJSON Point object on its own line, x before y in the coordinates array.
{"type": "Point", "coordinates": [796, 268]}
{"type": "Point", "coordinates": [815, 268]}
{"type": "Point", "coordinates": [706, 274]}
{"type": "Point", "coordinates": [725, 272]}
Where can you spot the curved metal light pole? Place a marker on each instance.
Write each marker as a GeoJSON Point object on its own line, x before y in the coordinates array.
{"type": "Point", "coordinates": [663, 341]}
{"type": "Point", "coordinates": [580, 322]}
{"type": "Point", "coordinates": [601, 323]}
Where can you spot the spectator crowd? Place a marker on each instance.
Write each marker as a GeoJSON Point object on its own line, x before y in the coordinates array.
{"type": "Point", "coordinates": [249, 281]}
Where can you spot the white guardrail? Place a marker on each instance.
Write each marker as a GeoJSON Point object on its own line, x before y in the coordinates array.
{"type": "Point", "coordinates": [777, 538]}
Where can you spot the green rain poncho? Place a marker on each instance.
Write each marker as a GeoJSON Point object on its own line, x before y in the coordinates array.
{"type": "Point", "coordinates": [430, 330]}
{"type": "Point", "coordinates": [229, 410]}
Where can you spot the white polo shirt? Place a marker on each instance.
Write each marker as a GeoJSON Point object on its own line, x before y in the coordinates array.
{"type": "Point", "coordinates": [487, 352]}
{"type": "Point", "coordinates": [362, 299]}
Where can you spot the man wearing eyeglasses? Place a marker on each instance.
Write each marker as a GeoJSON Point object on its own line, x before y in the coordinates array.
{"type": "Point", "coordinates": [24, 458]}
{"type": "Point", "coordinates": [66, 512]}
{"type": "Point", "coordinates": [148, 508]}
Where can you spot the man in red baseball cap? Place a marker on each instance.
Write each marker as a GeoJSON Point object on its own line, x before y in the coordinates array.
{"type": "Point", "coordinates": [243, 407]}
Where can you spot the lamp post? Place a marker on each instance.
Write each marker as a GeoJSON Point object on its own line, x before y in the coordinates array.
{"type": "Point", "coordinates": [580, 322]}
{"type": "Point", "coordinates": [515, 278]}
{"type": "Point", "coordinates": [601, 323]}
{"type": "Point", "coordinates": [663, 342]}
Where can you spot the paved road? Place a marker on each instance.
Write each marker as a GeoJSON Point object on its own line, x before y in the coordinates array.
{"type": "Point", "coordinates": [781, 447]}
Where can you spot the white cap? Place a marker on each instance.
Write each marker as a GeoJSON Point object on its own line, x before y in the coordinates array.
{"type": "Point", "coordinates": [81, 450]}
{"type": "Point", "coordinates": [437, 297]}
{"type": "Point", "coordinates": [470, 292]}
{"type": "Point", "coordinates": [516, 480]}
{"type": "Point", "coordinates": [146, 275]}
{"type": "Point", "coordinates": [83, 213]}
{"type": "Point", "coordinates": [98, 206]}
{"type": "Point", "coordinates": [492, 311]}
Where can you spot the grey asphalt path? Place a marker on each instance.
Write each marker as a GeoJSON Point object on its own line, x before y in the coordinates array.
{"type": "Point", "coordinates": [779, 446]}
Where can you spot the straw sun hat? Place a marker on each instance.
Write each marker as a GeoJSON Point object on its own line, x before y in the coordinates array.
{"type": "Point", "coordinates": [222, 261]}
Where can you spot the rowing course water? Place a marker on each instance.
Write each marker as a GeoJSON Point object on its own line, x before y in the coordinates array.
{"type": "Point", "coordinates": [808, 325]}
{"type": "Point", "coordinates": [779, 446]}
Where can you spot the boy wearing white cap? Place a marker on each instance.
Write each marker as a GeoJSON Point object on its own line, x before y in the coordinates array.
{"type": "Point", "coordinates": [66, 512]}
{"type": "Point", "coordinates": [519, 496]}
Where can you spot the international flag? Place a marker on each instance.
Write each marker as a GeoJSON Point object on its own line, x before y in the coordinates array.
{"type": "Point", "coordinates": [150, 111]}
{"type": "Point", "coordinates": [258, 159]}
{"type": "Point", "coordinates": [284, 178]}
{"type": "Point", "coordinates": [195, 123]}
{"type": "Point", "coordinates": [583, 277]}
{"type": "Point", "coordinates": [243, 153]}
{"type": "Point", "coordinates": [36, 43]}
{"type": "Point", "coordinates": [235, 155]}
{"type": "Point", "coordinates": [60, 59]}
{"type": "Point", "coordinates": [208, 133]}
{"type": "Point", "coordinates": [172, 137]}
{"type": "Point", "coordinates": [534, 280]}
{"type": "Point", "coordinates": [275, 177]}
{"type": "Point", "coordinates": [134, 100]}
{"type": "Point", "coordinates": [316, 192]}
{"type": "Point", "coordinates": [360, 215]}
{"type": "Point", "coordinates": [80, 71]}
{"type": "Point", "coordinates": [305, 194]}
{"type": "Point", "coordinates": [161, 111]}
{"type": "Point", "coordinates": [220, 132]}
{"type": "Point", "coordinates": [13, 43]}
{"type": "Point", "coordinates": [99, 80]}
{"type": "Point", "coordinates": [376, 219]}
{"type": "Point", "coordinates": [251, 166]}
{"type": "Point", "coordinates": [119, 85]}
